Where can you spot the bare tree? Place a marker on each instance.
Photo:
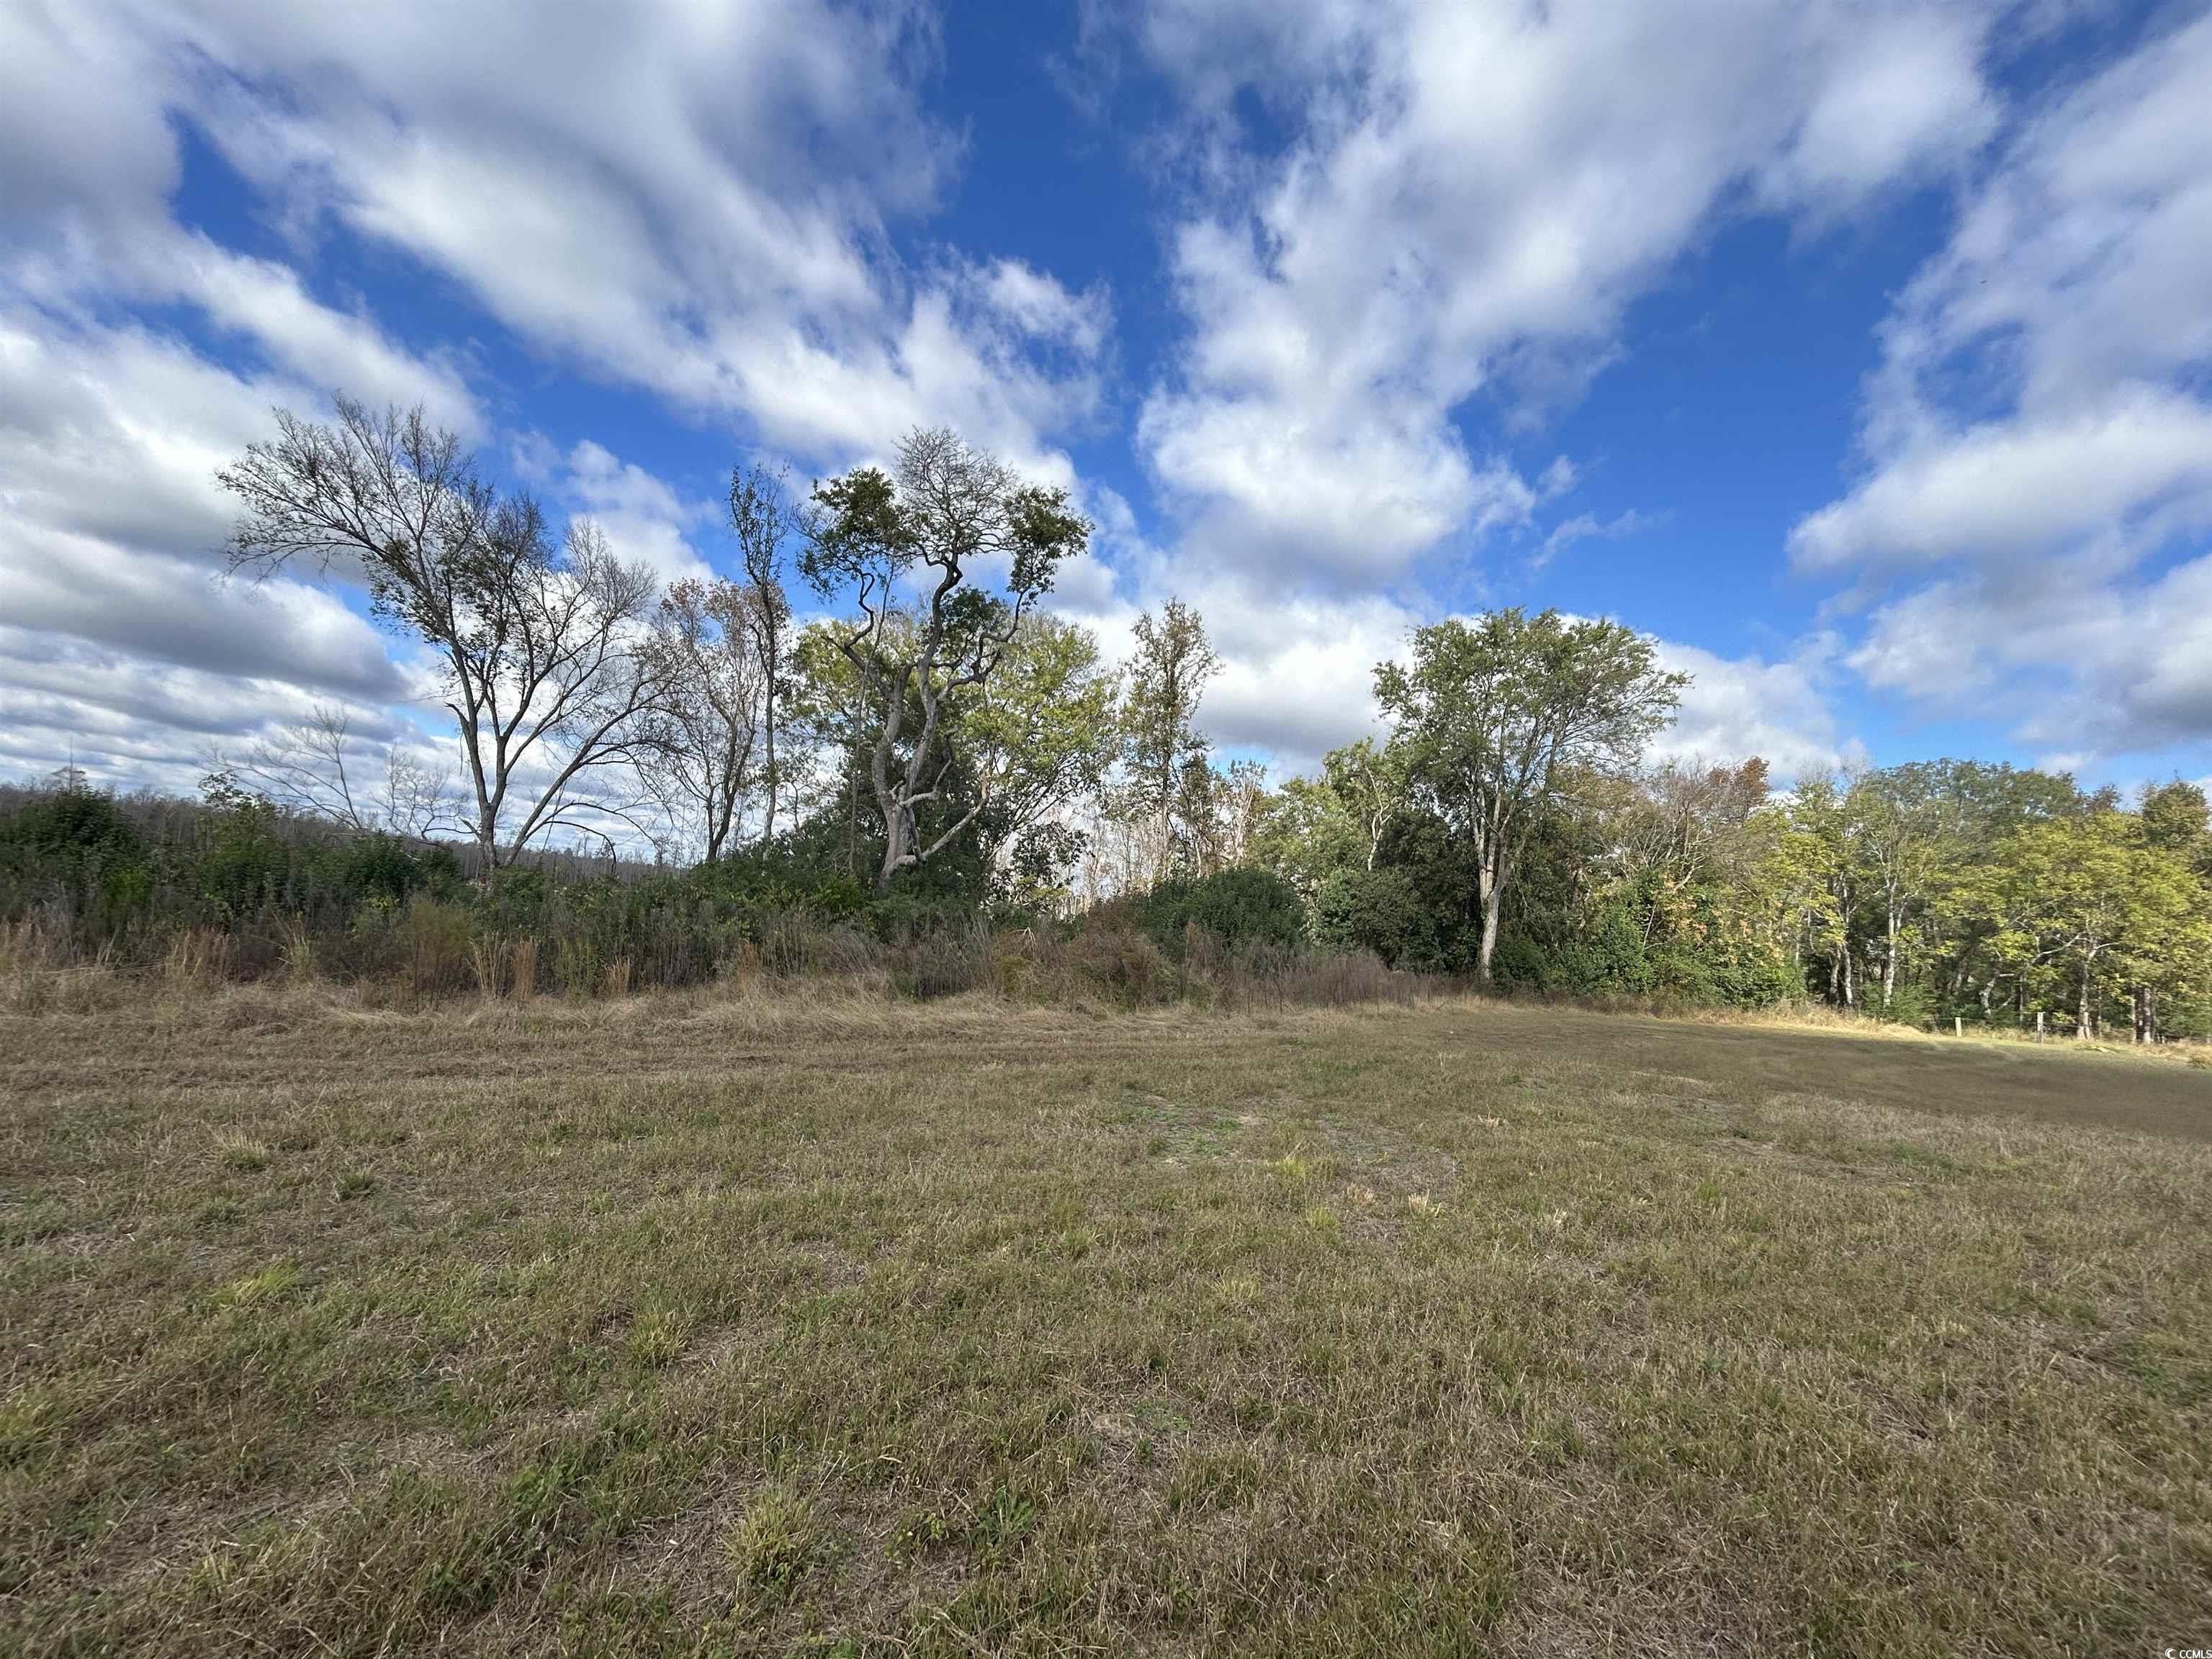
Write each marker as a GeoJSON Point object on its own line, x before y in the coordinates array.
{"type": "Point", "coordinates": [314, 766]}
{"type": "Point", "coordinates": [1242, 788]}
{"type": "Point", "coordinates": [945, 512]}
{"type": "Point", "coordinates": [703, 769]}
{"type": "Point", "coordinates": [1673, 823]}
{"type": "Point", "coordinates": [543, 644]}
{"type": "Point", "coordinates": [762, 517]}
{"type": "Point", "coordinates": [1161, 741]}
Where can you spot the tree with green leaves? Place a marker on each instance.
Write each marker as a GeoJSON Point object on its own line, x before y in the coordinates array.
{"type": "Point", "coordinates": [1041, 732]}
{"type": "Point", "coordinates": [1370, 780]}
{"type": "Point", "coordinates": [1494, 715]}
{"type": "Point", "coordinates": [1905, 826]}
{"type": "Point", "coordinates": [2175, 817]}
{"type": "Point", "coordinates": [1670, 827]}
{"type": "Point", "coordinates": [1311, 829]}
{"type": "Point", "coordinates": [946, 514]}
{"type": "Point", "coordinates": [2085, 909]}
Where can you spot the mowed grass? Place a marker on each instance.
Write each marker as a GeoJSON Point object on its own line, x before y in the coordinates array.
{"type": "Point", "coordinates": [728, 1326]}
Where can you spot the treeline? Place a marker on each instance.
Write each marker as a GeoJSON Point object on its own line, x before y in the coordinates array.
{"type": "Point", "coordinates": [1929, 893]}
{"type": "Point", "coordinates": [939, 784]}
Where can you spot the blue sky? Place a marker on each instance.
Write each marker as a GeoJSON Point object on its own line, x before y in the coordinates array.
{"type": "Point", "coordinates": [1857, 352]}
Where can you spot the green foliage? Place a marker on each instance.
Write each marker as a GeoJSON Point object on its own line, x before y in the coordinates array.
{"type": "Point", "coordinates": [1501, 720]}
{"type": "Point", "coordinates": [75, 846]}
{"type": "Point", "coordinates": [1604, 956]}
{"type": "Point", "coordinates": [76, 825]}
{"type": "Point", "coordinates": [382, 909]}
{"type": "Point", "coordinates": [1915, 894]}
{"type": "Point", "coordinates": [1167, 782]}
{"type": "Point", "coordinates": [910, 673]}
{"type": "Point", "coordinates": [1378, 911]}
{"type": "Point", "coordinates": [1039, 869]}
{"type": "Point", "coordinates": [1238, 907]}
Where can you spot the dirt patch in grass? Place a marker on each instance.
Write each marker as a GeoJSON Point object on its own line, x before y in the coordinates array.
{"type": "Point", "coordinates": [700, 1325]}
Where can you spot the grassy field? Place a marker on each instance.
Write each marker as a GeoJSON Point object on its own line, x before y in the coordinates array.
{"type": "Point", "coordinates": [749, 1326]}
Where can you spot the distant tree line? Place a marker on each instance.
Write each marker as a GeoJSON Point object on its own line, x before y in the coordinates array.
{"type": "Point", "coordinates": [1927, 893]}
{"type": "Point", "coordinates": [934, 749]}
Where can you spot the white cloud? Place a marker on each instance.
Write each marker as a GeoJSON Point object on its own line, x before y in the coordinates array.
{"type": "Point", "coordinates": [2039, 426]}
{"type": "Point", "coordinates": [120, 640]}
{"type": "Point", "coordinates": [84, 209]}
{"type": "Point", "coordinates": [1440, 207]}
{"type": "Point", "coordinates": [2133, 659]}
{"type": "Point", "coordinates": [1471, 195]}
{"type": "Point", "coordinates": [130, 722]}
{"type": "Point", "coordinates": [1442, 202]}
{"type": "Point", "coordinates": [1297, 671]}
{"type": "Point", "coordinates": [267, 301]}
{"type": "Point", "coordinates": [2026, 485]}
{"type": "Point", "coordinates": [117, 433]}
{"type": "Point", "coordinates": [65, 178]}
{"type": "Point", "coordinates": [1587, 527]}
{"type": "Point", "coordinates": [1736, 707]}
{"type": "Point", "coordinates": [1895, 94]}
{"type": "Point", "coordinates": [644, 520]}
{"type": "Point", "coordinates": [183, 614]}
{"type": "Point", "coordinates": [692, 198]}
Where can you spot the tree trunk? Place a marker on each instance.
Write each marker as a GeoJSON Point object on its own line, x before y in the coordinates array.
{"type": "Point", "coordinates": [768, 823]}
{"type": "Point", "coordinates": [895, 834]}
{"type": "Point", "coordinates": [487, 844]}
{"type": "Point", "coordinates": [1492, 894]}
{"type": "Point", "coordinates": [2081, 1020]}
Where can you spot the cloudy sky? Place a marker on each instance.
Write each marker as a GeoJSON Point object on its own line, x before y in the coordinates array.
{"type": "Point", "coordinates": [1857, 352]}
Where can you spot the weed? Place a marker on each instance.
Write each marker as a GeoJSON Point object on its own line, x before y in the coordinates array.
{"type": "Point", "coordinates": [774, 1538]}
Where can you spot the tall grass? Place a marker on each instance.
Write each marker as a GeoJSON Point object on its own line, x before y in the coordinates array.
{"type": "Point", "coordinates": [429, 951]}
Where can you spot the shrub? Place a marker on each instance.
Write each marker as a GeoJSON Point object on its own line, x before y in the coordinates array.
{"type": "Point", "coordinates": [232, 889]}
{"type": "Point", "coordinates": [1379, 911]}
{"type": "Point", "coordinates": [1236, 906]}
{"type": "Point", "coordinates": [1107, 958]}
{"type": "Point", "coordinates": [944, 961]}
{"type": "Point", "coordinates": [77, 846]}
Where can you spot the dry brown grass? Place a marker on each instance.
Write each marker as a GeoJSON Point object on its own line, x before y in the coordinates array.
{"type": "Point", "coordinates": [755, 1322]}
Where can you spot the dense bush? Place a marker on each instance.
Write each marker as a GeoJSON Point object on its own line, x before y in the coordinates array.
{"type": "Point", "coordinates": [1604, 957]}
{"type": "Point", "coordinates": [75, 847]}
{"type": "Point", "coordinates": [1380, 911]}
{"type": "Point", "coordinates": [1238, 907]}
{"type": "Point", "coordinates": [233, 889]}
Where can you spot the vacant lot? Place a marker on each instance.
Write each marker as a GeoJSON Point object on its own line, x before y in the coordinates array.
{"type": "Point", "coordinates": [751, 1326]}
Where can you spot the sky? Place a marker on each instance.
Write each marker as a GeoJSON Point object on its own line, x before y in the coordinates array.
{"type": "Point", "coordinates": [1859, 354]}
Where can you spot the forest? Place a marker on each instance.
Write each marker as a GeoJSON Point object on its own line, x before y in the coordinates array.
{"type": "Point", "coordinates": [873, 749]}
